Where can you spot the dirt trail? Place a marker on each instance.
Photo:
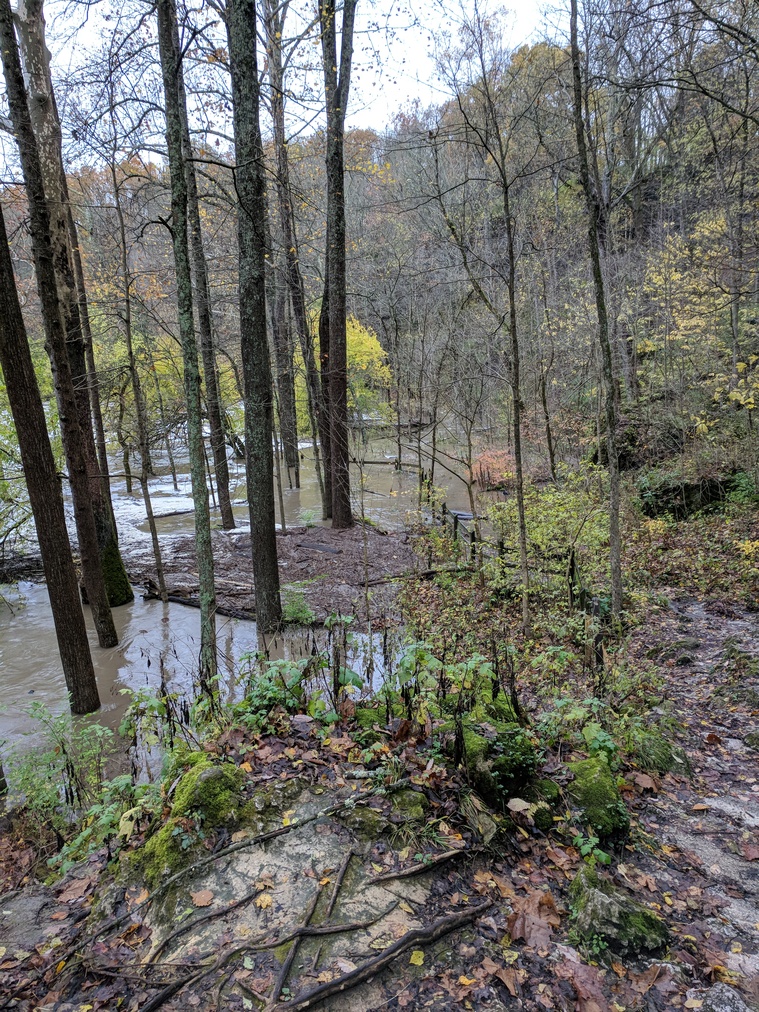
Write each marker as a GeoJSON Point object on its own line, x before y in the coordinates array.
{"type": "Point", "coordinates": [710, 653]}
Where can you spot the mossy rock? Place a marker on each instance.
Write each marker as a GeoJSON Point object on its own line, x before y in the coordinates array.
{"type": "Point", "coordinates": [548, 791]}
{"type": "Point", "coordinates": [365, 822]}
{"type": "Point", "coordinates": [409, 805]}
{"type": "Point", "coordinates": [601, 910]}
{"type": "Point", "coordinates": [500, 758]}
{"type": "Point", "coordinates": [595, 791]}
{"type": "Point", "coordinates": [265, 809]}
{"type": "Point", "coordinates": [207, 796]}
{"type": "Point", "coordinates": [210, 792]}
{"type": "Point", "coordinates": [752, 740]}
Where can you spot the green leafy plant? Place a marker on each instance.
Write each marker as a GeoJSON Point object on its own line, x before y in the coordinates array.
{"type": "Point", "coordinates": [295, 608]}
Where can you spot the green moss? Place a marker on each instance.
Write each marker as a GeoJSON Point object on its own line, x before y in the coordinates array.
{"type": "Point", "coordinates": [501, 709]}
{"type": "Point", "coordinates": [210, 792]}
{"type": "Point", "coordinates": [595, 791]}
{"type": "Point", "coordinates": [411, 805]}
{"type": "Point", "coordinates": [500, 758]}
{"type": "Point", "coordinates": [752, 740]}
{"type": "Point", "coordinates": [207, 796]}
{"type": "Point", "coordinates": [367, 716]}
{"type": "Point", "coordinates": [543, 817]}
{"type": "Point", "coordinates": [548, 791]}
{"type": "Point", "coordinates": [601, 910]}
{"type": "Point", "coordinates": [116, 580]}
{"type": "Point", "coordinates": [366, 822]}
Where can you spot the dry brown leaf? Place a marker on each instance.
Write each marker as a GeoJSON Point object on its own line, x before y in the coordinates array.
{"type": "Point", "coordinates": [76, 889]}
{"type": "Point", "coordinates": [202, 898]}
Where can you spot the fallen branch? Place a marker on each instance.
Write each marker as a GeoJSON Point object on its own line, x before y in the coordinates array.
{"type": "Point", "coordinates": [415, 937]}
{"type": "Point", "coordinates": [421, 868]}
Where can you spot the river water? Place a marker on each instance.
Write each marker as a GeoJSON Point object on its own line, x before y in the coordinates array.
{"type": "Point", "coordinates": [154, 636]}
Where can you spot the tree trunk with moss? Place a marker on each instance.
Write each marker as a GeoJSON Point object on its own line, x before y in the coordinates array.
{"type": "Point", "coordinates": [55, 332]}
{"type": "Point", "coordinates": [251, 232]}
{"type": "Point", "coordinates": [44, 488]}
{"type": "Point", "coordinates": [170, 68]}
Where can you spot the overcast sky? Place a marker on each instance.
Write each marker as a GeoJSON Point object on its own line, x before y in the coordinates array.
{"type": "Point", "coordinates": [395, 45]}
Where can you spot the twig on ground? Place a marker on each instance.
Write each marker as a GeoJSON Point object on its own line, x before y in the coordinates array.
{"type": "Point", "coordinates": [421, 868]}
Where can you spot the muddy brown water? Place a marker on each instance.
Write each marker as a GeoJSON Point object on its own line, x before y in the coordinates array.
{"type": "Point", "coordinates": [153, 635]}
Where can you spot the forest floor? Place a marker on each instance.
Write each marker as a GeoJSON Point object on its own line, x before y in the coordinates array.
{"type": "Point", "coordinates": [383, 913]}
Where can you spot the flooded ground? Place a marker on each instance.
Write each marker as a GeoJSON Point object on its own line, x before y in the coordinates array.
{"type": "Point", "coordinates": [154, 636]}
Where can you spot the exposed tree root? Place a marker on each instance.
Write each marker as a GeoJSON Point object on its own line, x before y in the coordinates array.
{"type": "Point", "coordinates": [418, 936]}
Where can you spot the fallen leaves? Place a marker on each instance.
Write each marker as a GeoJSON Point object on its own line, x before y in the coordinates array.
{"type": "Point", "coordinates": [202, 898]}
{"type": "Point", "coordinates": [534, 918]}
{"type": "Point", "coordinates": [416, 958]}
{"type": "Point", "coordinates": [78, 888]}
{"type": "Point", "coordinates": [264, 901]}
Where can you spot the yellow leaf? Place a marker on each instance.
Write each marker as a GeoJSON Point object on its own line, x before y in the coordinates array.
{"type": "Point", "coordinates": [467, 981]}
{"type": "Point", "coordinates": [417, 957]}
{"type": "Point", "coordinates": [286, 820]}
{"type": "Point", "coordinates": [405, 907]}
{"type": "Point", "coordinates": [693, 1003]}
{"type": "Point", "coordinates": [377, 867]}
{"type": "Point", "coordinates": [247, 767]}
{"type": "Point", "coordinates": [60, 966]}
{"type": "Point", "coordinates": [324, 881]}
{"type": "Point", "coordinates": [510, 956]}
{"type": "Point", "coordinates": [263, 901]}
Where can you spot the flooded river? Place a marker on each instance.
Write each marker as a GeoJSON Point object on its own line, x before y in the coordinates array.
{"type": "Point", "coordinates": [152, 635]}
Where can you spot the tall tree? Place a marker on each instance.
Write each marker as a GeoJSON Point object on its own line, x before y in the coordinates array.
{"type": "Point", "coordinates": [44, 487]}
{"type": "Point", "coordinates": [251, 233]}
{"type": "Point", "coordinates": [595, 218]}
{"type": "Point", "coordinates": [203, 307]}
{"type": "Point", "coordinates": [171, 67]}
{"type": "Point", "coordinates": [55, 331]}
{"type": "Point", "coordinates": [276, 14]}
{"type": "Point", "coordinates": [72, 296]}
{"type": "Point", "coordinates": [334, 354]}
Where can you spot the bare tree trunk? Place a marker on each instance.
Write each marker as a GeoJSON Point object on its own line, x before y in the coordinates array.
{"type": "Point", "coordinates": [139, 400]}
{"type": "Point", "coordinates": [171, 69]}
{"type": "Point", "coordinates": [55, 333]}
{"type": "Point", "coordinates": [251, 230]}
{"type": "Point", "coordinates": [597, 220]}
{"type": "Point", "coordinates": [275, 22]}
{"type": "Point", "coordinates": [44, 488]}
{"type": "Point", "coordinates": [336, 88]}
{"type": "Point", "coordinates": [205, 326]}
